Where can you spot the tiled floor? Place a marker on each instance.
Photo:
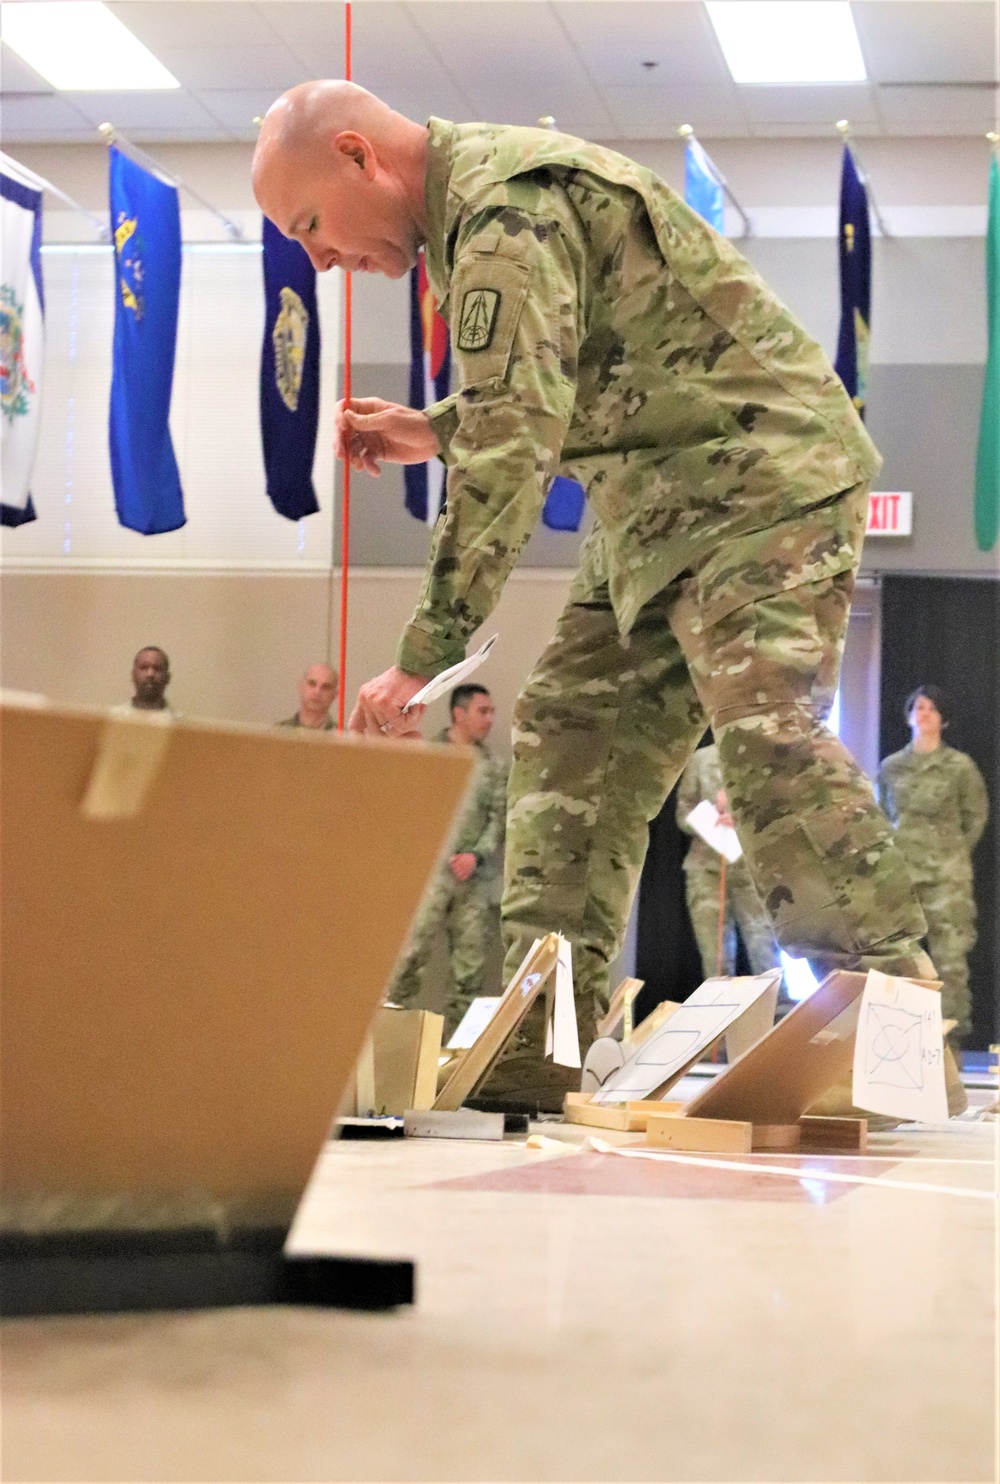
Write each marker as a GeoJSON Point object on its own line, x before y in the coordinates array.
{"type": "Point", "coordinates": [581, 1316]}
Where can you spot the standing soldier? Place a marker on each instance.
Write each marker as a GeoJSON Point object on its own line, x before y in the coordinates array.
{"type": "Point", "coordinates": [459, 897]}
{"type": "Point", "coordinates": [602, 330]}
{"type": "Point", "coordinates": [702, 779]}
{"type": "Point", "coordinates": [936, 798]}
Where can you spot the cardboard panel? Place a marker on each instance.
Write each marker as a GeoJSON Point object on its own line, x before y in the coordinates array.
{"type": "Point", "coordinates": [779, 1078]}
{"type": "Point", "coordinates": [185, 989]}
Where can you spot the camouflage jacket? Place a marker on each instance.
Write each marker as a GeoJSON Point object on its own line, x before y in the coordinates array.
{"type": "Point", "coordinates": [600, 328]}
{"type": "Point", "coordinates": [939, 805]}
{"type": "Point", "coordinates": [481, 827]}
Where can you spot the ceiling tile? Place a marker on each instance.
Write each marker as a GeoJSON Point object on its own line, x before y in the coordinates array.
{"type": "Point", "coordinates": [214, 23]}
{"type": "Point", "coordinates": [40, 113]}
{"type": "Point", "coordinates": [658, 112]}
{"type": "Point", "coordinates": [390, 52]}
{"type": "Point", "coordinates": [810, 105]}
{"type": "Point", "coordinates": [160, 110]}
{"type": "Point", "coordinates": [968, 110]}
{"type": "Point", "coordinates": [513, 62]}
{"type": "Point", "coordinates": [926, 40]}
{"type": "Point", "coordinates": [614, 40]}
{"type": "Point", "coordinates": [312, 29]}
{"type": "Point", "coordinates": [243, 66]}
{"type": "Point", "coordinates": [17, 77]}
{"type": "Point", "coordinates": [236, 108]}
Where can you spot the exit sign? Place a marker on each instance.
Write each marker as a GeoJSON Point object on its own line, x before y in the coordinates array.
{"type": "Point", "coordinates": [891, 514]}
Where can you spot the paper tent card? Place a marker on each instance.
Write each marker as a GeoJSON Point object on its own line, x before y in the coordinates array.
{"type": "Point", "coordinates": [667, 1053]}
{"type": "Point", "coordinates": [899, 1051]}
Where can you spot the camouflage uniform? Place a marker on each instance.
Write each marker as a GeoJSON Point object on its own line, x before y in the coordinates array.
{"type": "Point", "coordinates": [702, 779]}
{"type": "Point", "coordinates": [462, 908]}
{"type": "Point", "coordinates": [601, 329]}
{"type": "Point", "coordinates": [938, 803]}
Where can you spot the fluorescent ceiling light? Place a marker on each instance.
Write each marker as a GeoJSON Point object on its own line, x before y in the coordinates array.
{"type": "Point", "coordinates": [79, 46]}
{"type": "Point", "coordinates": [788, 41]}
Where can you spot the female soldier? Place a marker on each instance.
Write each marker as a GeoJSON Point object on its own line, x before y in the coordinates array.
{"type": "Point", "coordinates": [936, 798]}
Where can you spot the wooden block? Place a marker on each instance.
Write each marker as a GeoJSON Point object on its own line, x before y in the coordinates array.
{"type": "Point", "coordinates": [640, 1112]}
{"type": "Point", "coordinates": [776, 1136]}
{"type": "Point", "coordinates": [705, 1135]}
{"type": "Point", "coordinates": [628, 1117]}
{"type": "Point", "coordinates": [834, 1133]}
{"type": "Point", "coordinates": [593, 1115]}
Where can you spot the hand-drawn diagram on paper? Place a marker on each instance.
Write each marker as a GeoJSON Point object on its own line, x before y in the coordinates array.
{"type": "Point", "coordinates": [894, 1047]}
{"type": "Point", "coordinates": [899, 1051]}
{"type": "Point", "coordinates": [663, 1056]}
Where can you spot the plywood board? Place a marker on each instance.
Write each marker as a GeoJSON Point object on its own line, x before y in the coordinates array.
{"type": "Point", "coordinates": [515, 1002]}
{"type": "Point", "coordinates": [186, 987]}
{"type": "Point", "coordinates": [664, 1056]}
{"type": "Point", "coordinates": [406, 1045]}
{"type": "Point", "coordinates": [783, 1075]}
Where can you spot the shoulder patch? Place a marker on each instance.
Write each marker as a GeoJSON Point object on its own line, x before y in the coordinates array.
{"type": "Point", "coordinates": [478, 318]}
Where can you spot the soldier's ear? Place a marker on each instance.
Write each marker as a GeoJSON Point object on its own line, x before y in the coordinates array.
{"type": "Point", "coordinates": [357, 148]}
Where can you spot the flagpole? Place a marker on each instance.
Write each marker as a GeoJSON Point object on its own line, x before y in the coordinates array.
{"type": "Point", "coordinates": [843, 127]}
{"type": "Point", "coordinates": [345, 513]}
{"type": "Point", "coordinates": [32, 178]}
{"type": "Point", "coordinates": [111, 135]}
{"type": "Point", "coordinates": [686, 132]}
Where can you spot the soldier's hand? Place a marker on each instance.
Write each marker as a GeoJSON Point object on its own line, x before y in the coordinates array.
{"type": "Point", "coordinates": [376, 432]}
{"type": "Point", "coordinates": [378, 710]}
{"type": "Point", "coordinates": [463, 865]}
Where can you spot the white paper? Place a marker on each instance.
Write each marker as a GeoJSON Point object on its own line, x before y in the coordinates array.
{"type": "Point", "coordinates": [448, 679]}
{"type": "Point", "coordinates": [562, 1041]}
{"type": "Point", "coordinates": [899, 1051]}
{"type": "Point", "coordinates": [474, 1022]}
{"type": "Point", "coordinates": [704, 820]}
{"type": "Point", "coordinates": [692, 1028]}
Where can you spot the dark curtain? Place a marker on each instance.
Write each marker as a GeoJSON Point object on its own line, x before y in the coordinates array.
{"type": "Point", "coordinates": [667, 956]}
{"type": "Point", "coordinates": [945, 631]}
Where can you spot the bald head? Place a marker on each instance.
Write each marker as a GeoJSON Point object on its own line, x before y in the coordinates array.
{"type": "Point", "coordinates": [336, 169]}
{"type": "Point", "coordinates": [317, 693]}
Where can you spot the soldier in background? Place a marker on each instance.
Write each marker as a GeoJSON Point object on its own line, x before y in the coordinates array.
{"type": "Point", "coordinates": [936, 798]}
{"type": "Point", "coordinates": [150, 678]}
{"type": "Point", "coordinates": [458, 900]}
{"type": "Point", "coordinates": [317, 693]}
{"type": "Point", "coordinates": [602, 330]}
{"type": "Point", "coordinates": [702, 779]}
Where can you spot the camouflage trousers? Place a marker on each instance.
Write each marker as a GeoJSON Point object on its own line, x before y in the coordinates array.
{"type": "Point", "coordinates": [603, 729]}
{"type": "Point", "coordinates": [950, 909]}
{"type": "Point", "coordinates": [462, 909]}
{"type": "Point", "coordinates": [743, 908]}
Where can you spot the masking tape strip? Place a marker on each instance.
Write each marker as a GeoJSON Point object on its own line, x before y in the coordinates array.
{"type": "Point", "coordinates": [130, 755]}
{"type": "Point", "coordinates": [829, 1176]}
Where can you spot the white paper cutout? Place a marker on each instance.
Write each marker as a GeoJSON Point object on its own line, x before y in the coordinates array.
{"type": "Point", "coordinates": [450, 678]}
{"type": "Point", "coordinates": [899, 1051]}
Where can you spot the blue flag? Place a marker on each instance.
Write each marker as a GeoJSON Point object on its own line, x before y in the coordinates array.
{"type": "Point", "coordinates": [430, 377]}
{"type": "Point", "coordinates": [855, 284]}
{"type": "Point", "coordinates": [702, 186]}
{"type": "Point", "coordinates": [146, 229]}
{"type": "Point", "coordinates": [289, 375]}
{"type": "Point", "coordinates": [22, 345]}
{"type": "Point", "coordinates": [564, 505]}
